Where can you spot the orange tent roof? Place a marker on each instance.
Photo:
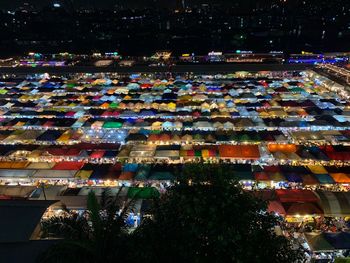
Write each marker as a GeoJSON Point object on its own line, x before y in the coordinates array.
{"type": "Point", "coordinates": [285, 148]}
{"type": "Point", "coordinates": [164, 137]}
{"type": "Point", "coordinates": [230, 151]}
{"type": "Point", "coordinates": [105, 105]}
{"type": "Point", "coordinates": [153, 137]}
{"type": "Point", "coordinates": [239, 151]}
{"type": "Point", "coordinates": [19, 165]}
{"type": "Point", "coordinates": [309, 179]}
{"type": "Point", "coordinates": [13, 165]}
{"type": "Point", "coordinates": [250, 151]}
{"type": "Point", "coordinates": [341, 178]}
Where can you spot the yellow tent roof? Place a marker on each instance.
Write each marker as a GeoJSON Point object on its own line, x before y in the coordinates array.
{"type": "Point", "coordinates": [65, 136]}
{"type": "Point", "coordinates": [317, 169]}
{"type": "Point", "coordinates": [264, 114]}
{"type": "Point", "coordinates": [83, 174]}
{"type": "Point", "coordinates": [172, 105]}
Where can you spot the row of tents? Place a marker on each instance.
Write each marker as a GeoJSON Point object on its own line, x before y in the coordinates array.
{"type": "Point", "coordinates": [310, 175]}
{"type": "Point", "coordinates": [290, 203]}
{"type": "Point", "coordinates": [65, 136]}
{"type": "Point", "coordinates": [181, 150]}
{"type": "Point", "coordinates": [97, 106]}
{"type": "Point", "coordinates": [299, 202]}
{"type": "Point", "coordinates": [178, 121]}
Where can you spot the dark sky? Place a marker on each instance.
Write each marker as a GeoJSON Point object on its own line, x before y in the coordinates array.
{"type": "Point", "coordinates": [11, 4]}
{"type": "Point", "coordinates": [5, 4]}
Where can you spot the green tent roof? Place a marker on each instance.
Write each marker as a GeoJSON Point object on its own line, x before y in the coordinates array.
{"type": "Point", "coordinates": [342, 260]}
{"type": "Point", "coordinates": [198, 153]}
{"type": "Point", "coordinates": [155, 132]}
{"type": "Point", "coordinates": [245, 138]}
{"type": "Point", "coordinates": [240, 172]}
{"type": "Point", "coordinates": [197, 137]}
{"type": "Point", "coordinates": [297, 90]}
{"type": "Point", "coordinates": [112, 124]}
{"type": "Point", "coordinates": [71, 85]}
{"type": "Point", "coordinates": [166, 176]}
{"type": "Point", "coordinates": [143, 172]}
{"type": "Point", "coordinates": [143, 192]}
{"type": "Point", "coordinates": [324, 178]}
{"type": "Point", "coordinates": [114, 105]}
{"type": "Point", "coordinates": [243, 175]}
{"type": "Point", "coordinates": [233, 137]}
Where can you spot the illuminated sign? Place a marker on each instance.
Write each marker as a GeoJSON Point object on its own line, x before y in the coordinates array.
{"type": "Point", "coordinates": [215, 53]}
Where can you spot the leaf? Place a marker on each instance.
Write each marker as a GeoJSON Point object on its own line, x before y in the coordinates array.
{"type": "Point", "coordinates": [94, 214]}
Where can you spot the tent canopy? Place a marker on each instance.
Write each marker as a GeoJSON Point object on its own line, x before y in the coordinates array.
{"type": "Point", "coordinates": [143, 192]}
{"type": "Point", "coordinates": [296, 195]}
{"type": "Point", "coordinates": [317, 242]}
{"type": "Point", "coordinates": [328, 241]}
{"type": "Point", "coordinates": [335, 203]}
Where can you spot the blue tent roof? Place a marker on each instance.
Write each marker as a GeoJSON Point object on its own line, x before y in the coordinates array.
{"type": "Point", "coordinates": [324, 178]}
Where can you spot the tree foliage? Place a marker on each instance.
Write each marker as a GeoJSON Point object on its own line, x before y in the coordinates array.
{"type": "Point", "coordinates": [205, 217]}
{"type": "Point", "coordinates": [99, 235]}
{"type": "Point", "coordinates": [210, 220]}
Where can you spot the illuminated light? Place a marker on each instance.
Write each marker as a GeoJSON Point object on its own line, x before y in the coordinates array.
{"type": "Point", "coordinates": [215, 53]}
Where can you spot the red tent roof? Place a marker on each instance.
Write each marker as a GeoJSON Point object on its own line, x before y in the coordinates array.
{"type": "Point", "coordinates": [63, 151]}
{"type": "Point", "coordinates": [261, 176]}
{"type": "Point", "coordinates": [272, 169]}
{"type": "Point", "coordinates": [68, 166]}
{"type": "Point", "coordinates": [276, 207]}
{"type": "Point", "coordinates": [296, 195]}
{"type": "Point", "coordinates": [302, 209]}
{"type": "Point", "coordinates": [126, 176]}
{"type": "Point", "coordinates": [97, 154]}
{"type": "Point", "coordinates": [115, 167]}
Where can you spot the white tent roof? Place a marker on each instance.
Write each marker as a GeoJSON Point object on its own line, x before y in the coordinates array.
{"type": "Point", "coordinates": [41, 165]}
{"type": "Point", "coordinates": [20, 173]}
{"type": "Point", "coordinates": [167, 153]}
{"type": "Point", "coordinates": [59, 174]}
{"type": "Point", "coordinates": [21, 191]}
